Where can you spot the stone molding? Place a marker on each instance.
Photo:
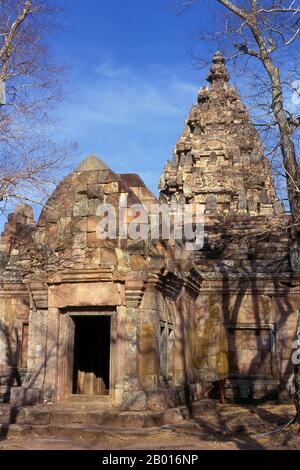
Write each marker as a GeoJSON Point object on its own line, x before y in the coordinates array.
{"type": "Point", "coordinates": [39, 295]}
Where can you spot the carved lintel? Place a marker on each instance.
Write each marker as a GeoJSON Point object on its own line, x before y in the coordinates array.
{"type": "Point", "coordinates": [13, 290]}
{"type": "Point", "coordinates": [15, 287]}
{"type": "Point", "coordinates": [80, 276]}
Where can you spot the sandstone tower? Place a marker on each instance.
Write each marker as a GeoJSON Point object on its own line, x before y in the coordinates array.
{"type": "Point", "coordinates": [218, 160]}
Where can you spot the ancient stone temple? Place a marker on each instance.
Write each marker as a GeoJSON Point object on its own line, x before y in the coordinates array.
{"type": "Point", "coordinates": [130, 320]}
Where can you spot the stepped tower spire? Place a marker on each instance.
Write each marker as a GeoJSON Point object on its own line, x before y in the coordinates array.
{"type": "Point", "coordinates": [219, 160]}
{"type": "Point", "coordinates": [218, 72]}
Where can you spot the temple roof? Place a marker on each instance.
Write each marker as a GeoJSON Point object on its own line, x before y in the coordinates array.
{"type": "Point", "coordinates": [91, 163]}
{"type": "Point", "coordinates": [132, 179]}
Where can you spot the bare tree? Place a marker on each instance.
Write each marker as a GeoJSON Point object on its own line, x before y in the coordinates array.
{"type": "Point", "coordinates": [30, 83]}
{"type": "Point", "coordinates": [265, 35]}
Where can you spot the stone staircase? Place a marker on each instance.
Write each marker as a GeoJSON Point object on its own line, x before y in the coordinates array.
{"type": "Point", "coordinates": [97, 399]}
{"type": "Point", "coordinates": [82, 418]}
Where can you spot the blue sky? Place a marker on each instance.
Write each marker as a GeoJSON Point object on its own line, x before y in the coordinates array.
{"type": "Point", "coordinates": [132, 80]}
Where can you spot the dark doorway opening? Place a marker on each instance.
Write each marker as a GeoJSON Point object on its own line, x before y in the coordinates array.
{"type": "Point", "coordinates": [91, 355]}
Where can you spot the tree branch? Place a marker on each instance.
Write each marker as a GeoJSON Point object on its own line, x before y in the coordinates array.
{"type": "Point", "coordinates": [8, 48]}
{"type": "Point", "coordinates": [253, 6]}
{"type": "Point", "coordinates": [234, 8]}
{"type": "Point", "coordinates": [287, 43]}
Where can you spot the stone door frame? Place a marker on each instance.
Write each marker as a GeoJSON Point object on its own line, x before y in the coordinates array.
{"type": "Point", "coordinates": [66, 339]}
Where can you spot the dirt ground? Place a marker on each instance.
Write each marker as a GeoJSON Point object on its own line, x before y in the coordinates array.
{"type": "Point", "coordinates": [228, 427]}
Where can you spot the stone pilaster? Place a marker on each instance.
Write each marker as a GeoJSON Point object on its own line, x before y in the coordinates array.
{"type": "Point", "coordinates": [134, 398]}
{"type": "Point", "coordinates": [34, 383]}
{"type": "Point", "coordinates": [5, 369]}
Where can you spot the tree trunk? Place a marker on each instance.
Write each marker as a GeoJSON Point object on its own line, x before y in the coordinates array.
{"type": "Point", "coordinates": [297, 374]}
{"type": "Point", "coordinates": [286, 130]}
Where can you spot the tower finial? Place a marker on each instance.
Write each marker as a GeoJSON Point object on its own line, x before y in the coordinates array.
{"type": "Point", "coordinates": [218, 71]}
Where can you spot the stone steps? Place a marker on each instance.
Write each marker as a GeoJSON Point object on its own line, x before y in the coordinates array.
{"type": "Point", "coordinates": [67, 419]}
{"type": "Point", "coordinates": [73, 431]}
{"type": "Point", "coordinates": [127, 420]}
{"type": "Point", "coordinates": [85, 432]}
{"type": "Point", "coordinates": [87, 399]}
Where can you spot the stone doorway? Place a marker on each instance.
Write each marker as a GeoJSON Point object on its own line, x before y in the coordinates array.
{"type": "Point", "coordinates": [91, 363]}
{"type": "Point", "coordinates": [86, 354]}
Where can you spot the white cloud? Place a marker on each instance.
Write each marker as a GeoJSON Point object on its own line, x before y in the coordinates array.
{"type": "Point", "coordinates": [130, 117]}
{"type": "Point", "coordinates": [108, 69]}
{"type": "Point", "coordinates": [121, 96]}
